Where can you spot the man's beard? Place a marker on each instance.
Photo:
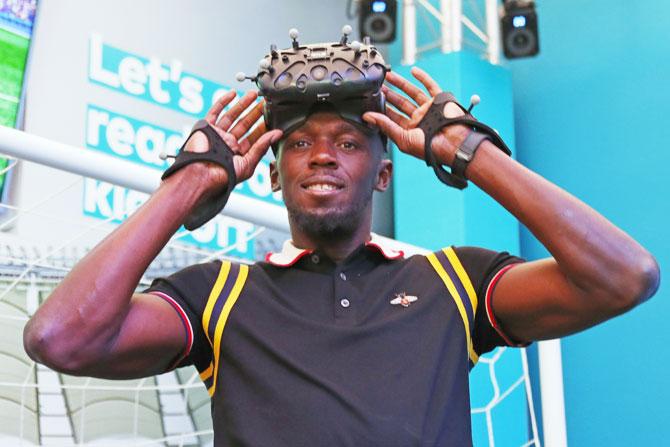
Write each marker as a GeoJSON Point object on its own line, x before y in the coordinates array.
{"type": "Point", "coordinates": [331, 222]}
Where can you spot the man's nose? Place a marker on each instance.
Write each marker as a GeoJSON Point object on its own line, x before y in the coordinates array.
{"type": "Point", "coordinates": [323, 154]}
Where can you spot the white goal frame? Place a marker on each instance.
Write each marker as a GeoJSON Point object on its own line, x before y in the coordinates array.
{"type": "Point", "coordinates": [24, 146]}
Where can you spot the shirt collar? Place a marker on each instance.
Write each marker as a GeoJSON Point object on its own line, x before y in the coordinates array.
{"type": "Point", "coordinates": [290, 254]}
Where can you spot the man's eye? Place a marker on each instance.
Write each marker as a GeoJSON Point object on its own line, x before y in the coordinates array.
{"type": "Point", "coordinates": [348, 145]}
{"type": "Point", "coordinates": [298, 144]}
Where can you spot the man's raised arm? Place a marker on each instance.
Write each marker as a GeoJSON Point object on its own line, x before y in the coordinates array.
{"type": "Point", "coordinates": [596, 271]}
{"type": "Point", "coordinates": [93, 323]}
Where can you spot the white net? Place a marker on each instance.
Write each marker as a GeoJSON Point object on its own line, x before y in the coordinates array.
{"type": "Point", "coordinates": [41, 407]}
{"type": "Point", "coordinates": [42, 239]}
{"type": "Point", "coordinates": [503, 413]}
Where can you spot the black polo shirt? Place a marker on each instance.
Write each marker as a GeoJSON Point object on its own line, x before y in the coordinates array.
{"type": "Point", "coordinates": [374, 351]}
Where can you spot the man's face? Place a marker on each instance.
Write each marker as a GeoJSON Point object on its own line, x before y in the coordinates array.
{"type": "Point", "coordinates": [327, 170]}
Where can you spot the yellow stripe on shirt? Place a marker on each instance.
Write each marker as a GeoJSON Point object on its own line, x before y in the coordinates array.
{"type": "Point", "coordinates": [458, 300]}
{"type": "Point", "coordinates": [221, 323]}
{"type": "Point", "coordinates": [206, 374]}
{"type": "Point", "coordinates": [463, 276]}
{"type": "Point", "coordinates": [213, 297]}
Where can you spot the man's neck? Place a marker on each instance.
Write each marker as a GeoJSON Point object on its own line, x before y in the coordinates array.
{"type": "Point", "coordinates": [336, 247]}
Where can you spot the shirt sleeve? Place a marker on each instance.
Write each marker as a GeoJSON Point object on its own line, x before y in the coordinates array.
{"type": "Point", "coordinates": [187, 292]}
{"type": "Point", "coordinates": [484, 268]}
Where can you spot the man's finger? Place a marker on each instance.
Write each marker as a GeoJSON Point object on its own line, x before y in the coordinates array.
{"type": "Point", "coordinates": [400, 102]}
{"type": "Point", "coordinates": [409, 141]}
{"type": "Point", "coordinates": [252, 137]}
{"type": "Point", "coordinates": [248, 120]}
{"type": "Point", "coordinates": [428, 82]}
{"type": "Point", "coordinates": [218, 106]}
{"type": "Point", "coordinates": [256, 152]}
{"type": "Point", "coordinates": [397, 117]}
{"type": "Point", "coordinates": [406, 86]}
{"type": "Point", "coordinates": [387, 126]}
{"type": "Point", "coordinates": [235, 111]}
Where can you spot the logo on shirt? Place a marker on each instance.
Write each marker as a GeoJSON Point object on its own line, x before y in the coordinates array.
{"type": "Point", "coordinates": [403, 299]}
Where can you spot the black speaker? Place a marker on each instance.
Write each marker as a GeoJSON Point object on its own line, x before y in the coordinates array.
{"type": "Point", "coordinates": [519, 29]}
{"type": "Point", "coordinates": [377, 19]}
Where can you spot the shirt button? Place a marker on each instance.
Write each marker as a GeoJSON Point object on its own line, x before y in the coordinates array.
{"type": "Point", "coordinates": [343, 276]}
{"type": "Point", "coordinates": [345, 302]}
{"type": "Point", "coordinates": [315, 259]}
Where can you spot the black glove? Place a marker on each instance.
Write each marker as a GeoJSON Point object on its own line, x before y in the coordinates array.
{"type": "Point", "coordinates": [218, 153]}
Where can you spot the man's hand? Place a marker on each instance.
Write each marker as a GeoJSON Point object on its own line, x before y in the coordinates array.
{"type": "Point", "coordinates": [401, 122]}
{"type": "Point", "coordinates": [232, 126]}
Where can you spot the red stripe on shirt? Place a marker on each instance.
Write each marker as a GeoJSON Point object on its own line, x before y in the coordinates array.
{"type": "Point", "coordinates": [187, 326]}
{"type": "Point", "coordinates": [489, 306]}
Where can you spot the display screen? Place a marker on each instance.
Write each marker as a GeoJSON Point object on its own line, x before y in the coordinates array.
{"type": "Point", "coordinates": [519, 21]}
{"type": "Point", "coordinates": [16, 27]}
{"type": "Point", "coordinates": [379, 6]}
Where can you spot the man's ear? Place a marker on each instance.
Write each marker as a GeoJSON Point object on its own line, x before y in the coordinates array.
{"type": "Point", "coordinates": [274, 177]}
{"type": "Point", "coordinates": [384, 175]}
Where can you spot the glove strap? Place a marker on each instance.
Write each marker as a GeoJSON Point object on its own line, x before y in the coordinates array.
{"type": "Point", "coordinates": [218, 153]}
{"type": "Point", "coordinates": [434, 121]}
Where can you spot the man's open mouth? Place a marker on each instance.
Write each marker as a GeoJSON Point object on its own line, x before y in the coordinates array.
{"type": "Point", "coordinates": [322, 185]}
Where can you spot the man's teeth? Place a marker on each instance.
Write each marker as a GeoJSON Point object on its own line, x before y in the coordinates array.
{"type": "Point", "coordinates": [322, 187]}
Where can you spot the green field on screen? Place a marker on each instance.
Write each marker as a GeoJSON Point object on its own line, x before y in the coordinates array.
{"type": "Point", "coordinates": [13, 54]}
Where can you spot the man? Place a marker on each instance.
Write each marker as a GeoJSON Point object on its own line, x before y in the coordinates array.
{"type": "Point", "coordinates": [337, 340]}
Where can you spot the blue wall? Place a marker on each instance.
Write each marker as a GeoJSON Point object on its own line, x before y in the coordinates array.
{"type": "Point", "coordinates": [591, 115]}
{"type": "Point", "coordinates": [431, 214]}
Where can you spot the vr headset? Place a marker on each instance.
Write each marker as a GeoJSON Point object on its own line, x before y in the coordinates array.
{"type": "Point", "coordinates": [344, 76]}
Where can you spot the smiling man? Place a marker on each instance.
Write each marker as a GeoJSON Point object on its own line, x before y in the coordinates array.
{"type": "Point", "coordinates": [328, 169]}
{"type": "Point", "coordinates": [337, 339]}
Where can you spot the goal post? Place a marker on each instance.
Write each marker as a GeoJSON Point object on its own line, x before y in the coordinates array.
{"type": "Point", "coordinates": [48, 408]}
